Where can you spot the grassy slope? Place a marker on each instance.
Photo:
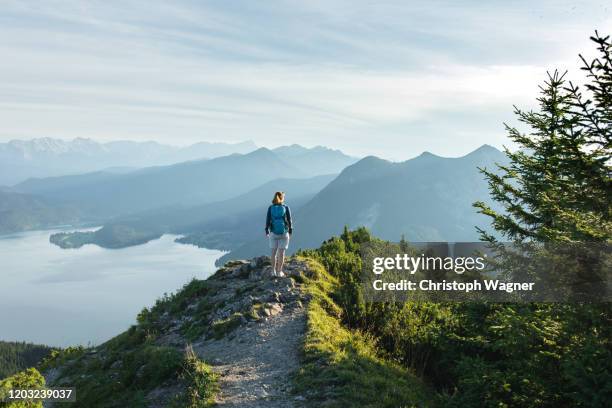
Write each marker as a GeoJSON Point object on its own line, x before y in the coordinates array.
{"type": "Point", "coordinates": [126, 368]}
{"type": "Point", "coordinates": [341, 367]}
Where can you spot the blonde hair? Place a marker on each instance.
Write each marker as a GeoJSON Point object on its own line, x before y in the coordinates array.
{"type": "Point", "coordinates": [279, 197]}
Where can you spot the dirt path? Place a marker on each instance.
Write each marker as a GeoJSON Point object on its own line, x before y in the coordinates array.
{"type": "Point", "coordinates": [256, 361]}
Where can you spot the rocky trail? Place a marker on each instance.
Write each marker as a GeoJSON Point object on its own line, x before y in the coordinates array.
{"type": "Point", "coordinates": [256, 361]}
{"type": "Point", "coordinates": [248, 325]}
{"type": "Point", "coordinates": [256, 365]}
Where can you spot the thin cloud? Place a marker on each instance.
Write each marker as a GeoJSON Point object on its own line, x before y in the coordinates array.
{"type": "Point", "coordinates": [357, 76]}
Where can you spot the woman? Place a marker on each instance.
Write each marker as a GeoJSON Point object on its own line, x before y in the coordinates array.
{"type": "Point", "coordinates": [278, 229]}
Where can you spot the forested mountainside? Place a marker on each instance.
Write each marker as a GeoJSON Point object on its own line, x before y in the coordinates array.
{"type": "Point", "coordinates": [17, 356]}
{"type": "Point", "coordinates": [22, 212]}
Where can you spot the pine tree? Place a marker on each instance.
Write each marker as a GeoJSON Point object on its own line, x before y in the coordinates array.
{"type": "Point", "coordinates": [556, 189]}
{"type": "Point", "coordinates": [403, 244]}
{"type": "Point", "coordinates": [594, 116]}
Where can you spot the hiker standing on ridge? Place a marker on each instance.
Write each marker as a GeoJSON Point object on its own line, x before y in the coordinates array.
{"type": "Point", "coordinates": [278, 229]}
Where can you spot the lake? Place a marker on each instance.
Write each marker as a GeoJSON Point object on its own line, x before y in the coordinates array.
{"type": "Point", "coordinates": [63, 297]}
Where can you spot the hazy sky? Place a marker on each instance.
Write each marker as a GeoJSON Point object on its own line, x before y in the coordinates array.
{"type": "Point", "coordinates": [391, 78]}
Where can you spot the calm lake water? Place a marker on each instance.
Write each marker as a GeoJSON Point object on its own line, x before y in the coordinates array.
{"type": "Point", "coordinates": [65, 297]}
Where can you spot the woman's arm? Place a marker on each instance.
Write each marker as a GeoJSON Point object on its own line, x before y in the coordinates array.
{"type": "Point", "coordinates": [289, 222]}
{"type": "Point", "coordinates": [268, 221]}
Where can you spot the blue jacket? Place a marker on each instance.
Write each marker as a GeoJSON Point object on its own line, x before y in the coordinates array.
{"type": "Point", "coordinates": [287, 219]}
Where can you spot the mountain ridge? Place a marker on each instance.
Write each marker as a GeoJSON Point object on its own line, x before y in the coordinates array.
{"type": "Point", "coordinates": [426, 198]}
{"type": "Point", "coordinates": [189, 182]}
{"type": "Point", "coordinates": [39, 157]}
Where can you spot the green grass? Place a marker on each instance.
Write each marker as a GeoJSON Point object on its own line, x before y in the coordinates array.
{"type": "Point", "coordinates": [193, 330]}
{"type": "Point", "coordinates": [221, 328]}
{"type": "Point", "coordinates": [255, 311]}
{"type": "Point", "coordinates": [202, 383]}
{"type": "Point", "coordinates": [122, 371]}
{"type": "Point", "coordinates": [124, 377]}
{"type": "Point", "coordinates": [341, 367]}
{"type": "Point", "coordinates": [175, 304]}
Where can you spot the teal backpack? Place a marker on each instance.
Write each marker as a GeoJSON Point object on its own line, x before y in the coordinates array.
{"type": "Point", "coordinates": [278, 212]}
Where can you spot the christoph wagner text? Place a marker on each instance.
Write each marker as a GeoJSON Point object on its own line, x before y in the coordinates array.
{"type": "Point", "coordinates": [427, 263]}
{"type": "Point", "coordinates": [428, 285]}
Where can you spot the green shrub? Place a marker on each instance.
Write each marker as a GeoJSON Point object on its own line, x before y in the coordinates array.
{"type": "Point", "coordinates": [201, 383]}
{"type": "Point", "coordinates": [478, 354]}
{"type": "Point", "coordinates": [149, 366]}
{"type": "Point", "coordinates": [220, 328]}
{"type": "Point", "coordinates": [29, 378]}
{"type": "Point", "coordinates": [193, 330]}
{"type": "Point", "coordinates": [177, 302]}
{"type": "Point", "coordinates": [59, 357]}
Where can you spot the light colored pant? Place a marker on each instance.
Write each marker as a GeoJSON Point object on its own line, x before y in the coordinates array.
{"type": "Point", "coordinates": [279, 241]}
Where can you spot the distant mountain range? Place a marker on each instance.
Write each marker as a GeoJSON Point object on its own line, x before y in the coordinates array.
{"type": "Point", "coordinates": [317, 160]}
{"type": "Point", "coordinates": [221, 202]}
{"type": "Point", "coordinates": [45, 157]}
{"type": "Point", "coordinates": [111, 194]}
{"type": "Point", "coordinates": [428, 198]}
{"type": "Point", "coordinates": [103, 195]}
